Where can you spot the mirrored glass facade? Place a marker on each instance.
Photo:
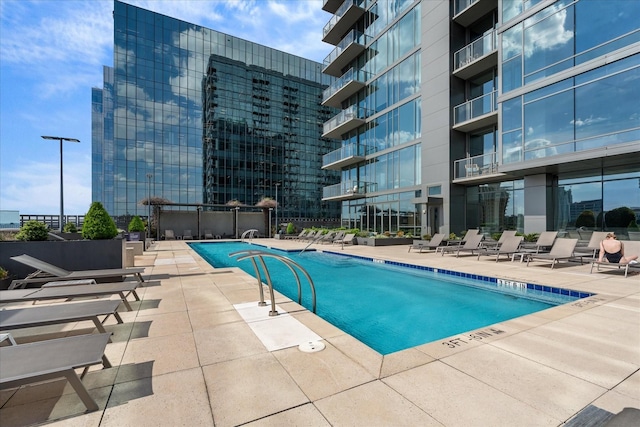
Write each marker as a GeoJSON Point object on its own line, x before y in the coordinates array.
{"type": "Point", "coordinates": [149, 120]}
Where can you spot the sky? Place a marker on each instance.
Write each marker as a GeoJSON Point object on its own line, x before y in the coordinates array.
{"type": "Point", "coordinates": [52, 53]}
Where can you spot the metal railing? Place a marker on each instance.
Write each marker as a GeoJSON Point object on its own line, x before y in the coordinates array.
{"type": "Point", "coordinates": [475, 50]}
{"type": "Point", "coordinates": [339, 13]}
{"type": "Point", "coordinates": [349, 76]}
{"type": "Point", "coordinates": [352, 36]}
{"type": "Point", "coordinates": [349, 113]}
{"type": "Point", "coordinates": [250, 234]}
{"type": "Point", "coordinates": [346, 188]}
{"type": "Point", "coordinates": [291, 264]}
{"type": "Point", "coordinates": [476, 107]}
{"type": "Point", "coordinates": [351, 150]}
{"type": "Point", "coordinates": [469, 167]}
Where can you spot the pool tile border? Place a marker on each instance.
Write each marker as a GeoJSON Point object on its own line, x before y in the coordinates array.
{"type": "Point", "coordinates": [494, 280]}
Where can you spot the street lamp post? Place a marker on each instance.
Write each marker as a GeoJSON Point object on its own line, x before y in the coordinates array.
{"type": "Point", "coordinates": [270, 209]}
{"type": "Point", "coordinates": [58, 138]}
{"type": "Point", "coordinates": [149, 176]}
{"type": "Point", "coordinates": [277, 225]}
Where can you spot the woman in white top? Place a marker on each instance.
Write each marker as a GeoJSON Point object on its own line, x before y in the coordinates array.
{"type": "Point", "coordinates": [612, 250]}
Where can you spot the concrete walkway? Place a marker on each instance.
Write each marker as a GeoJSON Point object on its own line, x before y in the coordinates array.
{"type": "Point", "coordinates": [188, 355]}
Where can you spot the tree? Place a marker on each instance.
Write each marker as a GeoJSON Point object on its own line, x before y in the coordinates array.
{"type": "Point", "coordinates": [136, 224]}
{"type": "Point", "coordinates": [619, 217]}
{"type": "Point", "coordinates": [98, 224]}
{"type": "Point", "coordinates": [33, 231]}
{"type": "Point", "coordinates": [586, 219]}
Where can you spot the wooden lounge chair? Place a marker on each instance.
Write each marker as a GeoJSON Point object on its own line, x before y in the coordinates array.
{"type": "Point", "coordinates": [45, 360]}
{"type": "Point", "coordinates": [562, 249]}
{"type": "Point", "coordinates": [122, 289]}
{"type": "Point", "coordinates": [18, 318]}
{"type": "Point", "coordinates": [509, 246]}
{"type": "Point", "coordinates": [46, 272]}
{"type": "Point", "coordinates": [471, 245]}
{"type": "Point", "coordinates": [428, 245]}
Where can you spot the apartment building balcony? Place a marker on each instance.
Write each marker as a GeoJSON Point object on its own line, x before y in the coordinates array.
{"type": "Point", "coordinates": [478, 56]}
{"type": "Point", "coordinates": [350, 82]}
{"type": "Point", "coordinates": [352, 45]}
{"type": "Point", "coordinates": [466, 12]}
{"type": "Point", "coordinates": [348, 190]}
{"type": "Point", "coordinates": [477, 113]}
{"type": "Point", "coordinates": [343, 19]}
{"type": "Point", "coordinates": [343, 122]}
{"type": "Point", "coordinates": [344, 156]}
{"type": "Point", "coordinates": [476, 168]}
{"type": "Point", "coordinates": [331, 5]}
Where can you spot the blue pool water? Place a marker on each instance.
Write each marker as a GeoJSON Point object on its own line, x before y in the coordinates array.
{"type": "Point", "coordinates": [390, 307]}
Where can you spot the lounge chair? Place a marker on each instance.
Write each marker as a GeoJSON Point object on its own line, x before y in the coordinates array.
{"type": "Point", "coordinates": [562, 249]}
{"type": "Point", "coordinates": [337, 236]}
{"type": "Point", "coordinates": [208, 234]}
{"type": "Point", "coordinates": [46, 272]}
{"type": "Point", "coordinates": [546, 239]}
{"type": "Point", "coordinates": [122, 289]}
{"type": "Point", "coordinates": [45, 360]}
{"type": "Point", "coordinates": [505, 234]}
{"type": "Point", "coordinates": [187, 235]}
{"type": "Point", "coordinates": [631, 248]}
{"type": "Point", "coordinates": [508, 247]}
{"type": "Point", "coordinates": [311, 236]}
{"type": "Point", "coordinates": [472, 244]}
{"type": "Point", "coordinates": [44, 315]}
{"type": "Point", "coordinates": [327, 238]}
{"type": "Point", "coordinates": [346, 240]}
{"type": "Point", "coordinates": [592, 248]}
{"type": "Point", "coordinates": [433, 244]}
{"type": "Point", "coordinates": [169, 235]}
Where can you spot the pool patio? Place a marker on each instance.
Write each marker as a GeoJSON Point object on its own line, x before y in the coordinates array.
{"type": "Point", "coordinates": [186, 356]}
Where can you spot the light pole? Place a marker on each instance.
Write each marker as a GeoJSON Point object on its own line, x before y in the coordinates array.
{"type": "Point", "coordinates": [237, 209]}
{"type": "Point", "coordinates": [270, 209]}
{"type": "Point", "coordinates": [149, 176]}
{"type": "Point", "coordinates": [277, 225]}
{"type": "Point", "coordinates": [58, 138]}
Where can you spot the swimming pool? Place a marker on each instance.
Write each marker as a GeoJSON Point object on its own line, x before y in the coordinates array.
{"type": "Point", "coordinates": [392, 306]}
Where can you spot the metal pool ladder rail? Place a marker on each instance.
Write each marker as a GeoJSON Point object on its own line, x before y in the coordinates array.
{"type": "Point", "coordinates": [250, 234]}
{"type": "Point", "coordinates": [291, 264]}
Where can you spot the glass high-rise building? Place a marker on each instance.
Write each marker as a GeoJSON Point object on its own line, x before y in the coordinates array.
{"type": "Point", "coordinates": [196, 116]}
{"type": "Point", "coordinates": [490, 114]}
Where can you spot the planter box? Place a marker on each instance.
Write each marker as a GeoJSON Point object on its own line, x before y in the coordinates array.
{"type": "Point", "coordinates": [391, 241]}
{"type": "Point", "coordinates": [69, 255]}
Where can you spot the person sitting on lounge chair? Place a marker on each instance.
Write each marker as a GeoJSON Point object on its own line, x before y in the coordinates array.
{"type": "Point", "coordinates": [613, 250]}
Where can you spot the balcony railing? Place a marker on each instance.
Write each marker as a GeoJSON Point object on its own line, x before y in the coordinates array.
{"type": "Point", "coordinates": [345, 190]}
{"type": "Point", "coordinates": [344, 156]}
{"type": "Point", "coordinates": [475, 108]}
{"type": "Point", "coordinates": [348, 79]}
{"type": "Point", "coordinates": [475, 50]}
{"type": "Point", "coordinates": [350, 46]}
{"type": "Point", "coordinates": [348, 119]}
{"type": "Point", "coordinates": [471, 167]}
{"type": "Point", "coordinates": [460, 5]}
{"type": "Point", "coordinates": [350, 10]}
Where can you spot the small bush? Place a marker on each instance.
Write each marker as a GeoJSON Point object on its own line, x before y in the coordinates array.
{"type": "Point", "coordinates": [633, 226]}
{"type": "Point", "coordinates": [136, 224]}
{"type": "Point", "coordinates": [3, 273]}
{"type": "Point", "coordinates": [453, 236]}
{"type": "Point", "coordinates": [291, 229]}
{"type": "Point", "coordinates": [98, 224]}
{"type": "Point", "coordinates": [33, 231]}
{"type": "Point", "coordinates": [70, 228]}
{"type": "Point", "coordinates": [426, 236]}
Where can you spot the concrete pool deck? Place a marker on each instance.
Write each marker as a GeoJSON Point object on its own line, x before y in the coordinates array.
{"type": "Point", "coordinates": [186, 356]}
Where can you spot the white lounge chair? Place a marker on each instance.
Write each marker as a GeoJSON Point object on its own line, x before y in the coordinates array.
{"type": "Point", "coordinates": [187, 235]}
{"type": "Point", "coordinates": [46, 272]}
{"type": "Point", "coordinates": [169, 235]}
{"type": "Point", "coordinates": [562, 249]}
{"type": "Point", "coordinates": [346, 240]}
{"type": "Point", "coordinates": [45, 360]}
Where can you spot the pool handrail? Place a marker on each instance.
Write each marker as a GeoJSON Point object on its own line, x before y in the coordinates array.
{"type": "Point", "coordinates": [251, 254]}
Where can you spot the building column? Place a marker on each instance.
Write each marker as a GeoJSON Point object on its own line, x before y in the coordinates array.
{"type": "Point", "coordinates": [538, 205]}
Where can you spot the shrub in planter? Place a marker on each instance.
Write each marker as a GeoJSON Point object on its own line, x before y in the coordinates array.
{"type": "Point", "coordinates": [291, 229]}
{"type": "Point", "coordinates": [70, 228]}
{"type": "Point", "coordinates": [98, 224]}
{"type": "Point", "coordinates": [136, 224]}
{"type": "Point", "coordinates": [33, 231]}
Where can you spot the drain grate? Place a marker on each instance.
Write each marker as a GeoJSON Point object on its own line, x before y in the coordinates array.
{"type": "Point", "coordinates": [311, 346]}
